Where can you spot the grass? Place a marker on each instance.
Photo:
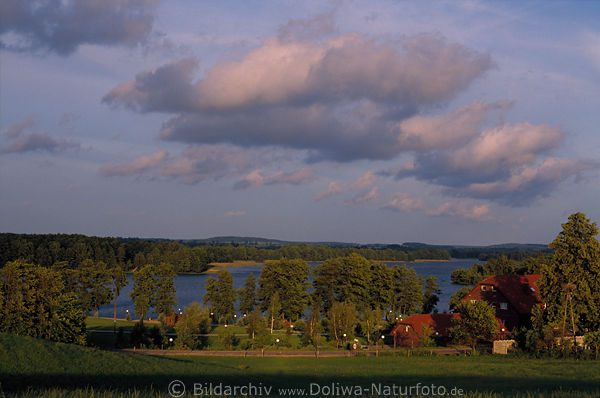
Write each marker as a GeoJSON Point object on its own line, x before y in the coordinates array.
{"type": "Point", "coordinates": [32, 367]}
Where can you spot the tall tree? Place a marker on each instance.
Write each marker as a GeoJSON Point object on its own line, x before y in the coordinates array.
{"type": "Point", "coordinates": [247, 295]}
{"type": "Point", "coordinates": [409, 290]}
{"type": "Point", "coordinates": [142, 293]}
{"type": "Point", "coordinates": [119, 280]}
{"type": "Point", "coordinates": [342, 318]}
{"type": "Point", "coordinates": [96, 284]}
{"type": "Point", "coordinates": [224, 300]}
{"type": "Point", "coordinates": [431, 289]}
{"type": "Point", "coordinates": [289, 278]}
{"type": "Point", "coordinates": [165, 297]}
{"type": "Point", "coordinates": [570, 283]}
{"type": "Point", "coordinates": [274, 310]}
{"type": "Point", "coordinates": [196, 321]}
{"type": "Point", "coordinates": [477, 322]}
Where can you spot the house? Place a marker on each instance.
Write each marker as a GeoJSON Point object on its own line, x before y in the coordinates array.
{"type": "Point", "coordinates": [410, 331]}
{"type": "Point", "coordinates": [513, 297]}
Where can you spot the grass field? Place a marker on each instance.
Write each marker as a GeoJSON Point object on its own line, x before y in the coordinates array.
{"type": "Point", "coordinates": [31, 367]}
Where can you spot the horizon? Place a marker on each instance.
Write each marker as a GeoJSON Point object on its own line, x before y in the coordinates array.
{"type": "Point", "coordinates": [449, 122]}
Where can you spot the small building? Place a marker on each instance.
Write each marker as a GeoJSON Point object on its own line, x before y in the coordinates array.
{"type": "Point", "coordinates": [410, 331]}
{"type": "Point", "coordinates": [513, 297]}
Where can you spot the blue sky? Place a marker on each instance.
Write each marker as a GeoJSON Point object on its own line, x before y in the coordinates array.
{"type": "Point", "coordinates": [381, 121]}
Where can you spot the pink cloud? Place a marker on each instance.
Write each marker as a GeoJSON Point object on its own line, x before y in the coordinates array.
{"type": "Point", "coordinates": [404, 203]}
{"type": "Point", "coordinates": [463, 209]}
{"type": "Point", "coordinates": [364, 181]}
{"type": "Point", "coordinates": [233, 213]}
{"type": "Point", "coordinates": [138, 165]}
{"type": "Point", "coordinates": [372, 196]}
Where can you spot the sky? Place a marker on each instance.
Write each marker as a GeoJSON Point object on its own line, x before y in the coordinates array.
{"type": "Point", "coordinates": [445, 122]}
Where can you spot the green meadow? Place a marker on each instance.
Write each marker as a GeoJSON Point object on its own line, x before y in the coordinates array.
{"type": "Point", "coordinates": [32, 367]}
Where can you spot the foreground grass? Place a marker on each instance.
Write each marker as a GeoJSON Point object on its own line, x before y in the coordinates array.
{"type": "Point", "coordinates": [31, 367]}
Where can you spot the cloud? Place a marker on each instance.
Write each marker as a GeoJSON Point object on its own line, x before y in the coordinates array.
{"type": "Point", "coordinates": [233, 213]}
{"type": "Point", "coordinates": [258, 178]}
{"type": "Point", "coordinates": [37, 141]}
{"type": "Point", "coordinates": [507, 163]}
{"type": "Point", "coordinates": [423, 133]}
{"type": "Point", "coordinates": [530, 182]}
{"type": "Point", "coordinates": [332, 189]}
{"type": "Point", "coordinates": [338, 98]}
{"type": "Point", "coordinates": [463, 209]}
{"type": "Point", "coordinates": [15, 130]}
{"type": "Point", "coordinates": [62, 26]}
{"type": "Point", "coordinates": [372, 196]}
{"type": "Point", "coordinates": [592, 47]}
{"type": "Point", "coordinates": [309, 29]}
{"type": "Point", "coordinates": [138, 165]}
{"type": "Point", "coordinates": [364, 181]}
{"type": "Point", "coordinates": [404, 203]}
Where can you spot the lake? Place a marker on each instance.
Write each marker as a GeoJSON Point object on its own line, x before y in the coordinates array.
{"type": "Point", "coordinates": [191, 287]}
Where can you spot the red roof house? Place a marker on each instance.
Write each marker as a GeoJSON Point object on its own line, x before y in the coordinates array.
{"type": "Point", "coordinates": [513, 296]}
{"type": "Point", "coordinates": [410, 331]}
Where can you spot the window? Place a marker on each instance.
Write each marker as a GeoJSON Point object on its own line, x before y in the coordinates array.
{"type": "Point", "coordinates": [503, 306]}
{"type": "Point", "coordinates": [493, 288]}
{"type": "Point", "coordinates": [532, 289]}
{"type": "Point", "coordinates": [483, 288]}
{"type": "Point", "coordinates": [473, 301]}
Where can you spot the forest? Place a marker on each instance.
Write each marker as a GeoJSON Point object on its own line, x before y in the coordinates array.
{"type": "Point", "coordinates": [128, 254]}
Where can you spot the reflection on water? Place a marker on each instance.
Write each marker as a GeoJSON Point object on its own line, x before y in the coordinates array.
{"type": "Point", "coordinates": [191, 287]}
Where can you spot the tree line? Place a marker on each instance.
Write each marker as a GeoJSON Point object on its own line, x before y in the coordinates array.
{"type": "Point", "coordinates": [128, 254]}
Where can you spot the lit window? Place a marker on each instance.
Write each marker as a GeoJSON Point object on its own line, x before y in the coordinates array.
{"type": "Point", "coordinates": [483, 288]}
{"type": "Point", "coordinates": [532, 289]}
{"type": "Point", "coordinates": [493, 288]}
{"type": "Point", "coordinates": [473, 301]}
{"type": "Point", "coordinates": [503, 306]}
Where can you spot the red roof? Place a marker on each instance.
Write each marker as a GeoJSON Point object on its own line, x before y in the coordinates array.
{"type": "Point", "coordinates": [519, 290]}
{"type": "Point", "coordinates": [440, 323]}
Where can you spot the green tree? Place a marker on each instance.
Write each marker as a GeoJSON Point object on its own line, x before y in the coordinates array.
{"type": "Point", "coordinates": [477, 322]}
{"type": "Point", "coordinates": [211, 294]}
{"type": "Point", "coordinates": [457, 296]}
{"type": "Point", "coordinates": [311, 335]}
{"type": "Point", "coordinates": [224, 297]}
{"type": "Point", "coordinates": [96, 284]}
{"type": "Point", "coordinates": [142, 293]}
{"type": "Point", "coordinates": [570, 283]}
{"type": "Point", "coordinates": [342, 318]}
{"type": "Point", "coordinates": [431, 289]}
{"type": "Point", "coordinates": [119, 280]}
{"type": "Point", "coordinates": [409, 290]}
{"type": "Point", "coordinates": [274, 311]}
{"type": "Point", "coordinates": [195, 321]}
{"type": "Point", "coordinates": [255, 324]}
{"type": "Point", "coordinates": [165, 297]}
{"type": "Point", "coordinates": [247, 295]}
{"type": "Point", "coordinates": [371, 324]}
{"type": "Point", "coordinates": [288, 278]}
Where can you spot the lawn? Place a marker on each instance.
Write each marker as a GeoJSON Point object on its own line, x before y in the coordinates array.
{"type": "Point", "coordinates": [67, 370]}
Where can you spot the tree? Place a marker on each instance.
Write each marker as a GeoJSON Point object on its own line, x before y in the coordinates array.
{"type": "Point", "coordinates": [477, 322]}
{"type": "Point", "coordinates": [457, 296]}
{"type": "Point", "coordinates": [255, 324]}
{"type": "Point", "coordinates": [313, 329]}
{"type": "Point", "coordinates": [196, 320]}
{"type": "Point", "coordinates": [274, 310]}
{"type": "Point", "coordinates": [288, 278]}
{"type": "Point", "coordinates": [247, 295]}
{"type": "Point", "coordinates": [431, 289]}
{"type": "Point", "coordinates": [165, 297]}
{"type": "Point", "coordinates": [342, 317]}
{"type": "Point", "coordinates": [211, 294]}
{"type": "Point", "coordinates": [343, 279]}
{"type": "Point", "coordinates": [570, 283]}
{"type": "Point", "coordinates": [96, 283]}
{"type": "Point", "coordinates": [409, 290]}
{"type": "Point", "coordinates": [224, 296]}
{"type": "Point", "coordinates": [142, 293]}
{"type": "Point", "coordinates": [119, 282]}
{"type": "Point", "coordinates": [371, 324]}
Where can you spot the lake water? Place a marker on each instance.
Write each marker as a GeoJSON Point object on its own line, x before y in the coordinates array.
{"type": "Point", "coordinates": [191, 287]}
